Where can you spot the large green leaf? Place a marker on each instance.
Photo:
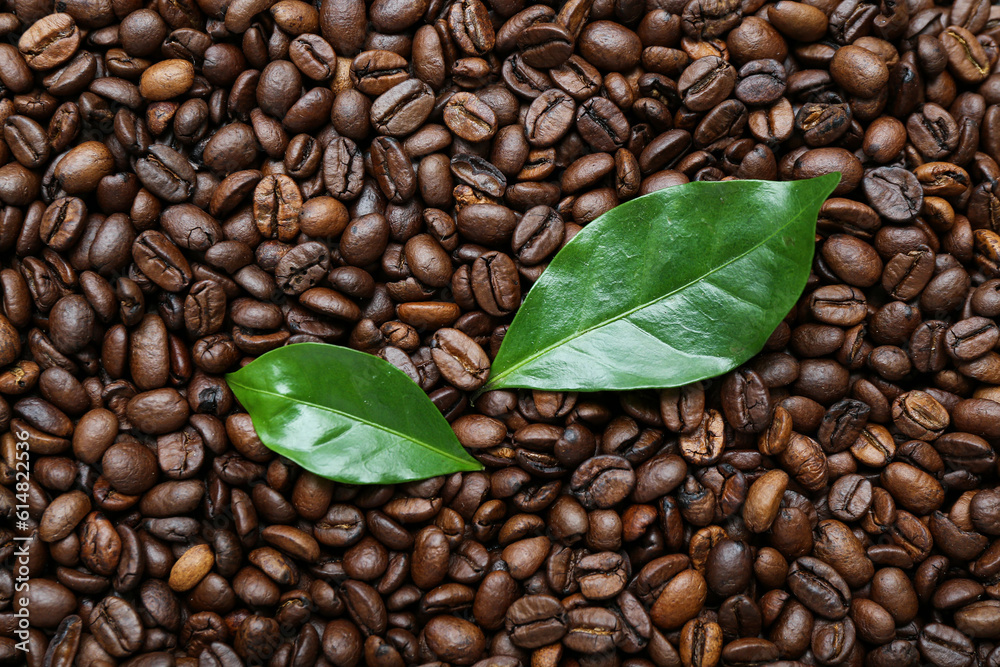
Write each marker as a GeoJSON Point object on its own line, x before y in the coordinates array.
{"type": "Point", "coordinates": [347, 415]}
{"type": "Point", "coordinates": [676, 286]}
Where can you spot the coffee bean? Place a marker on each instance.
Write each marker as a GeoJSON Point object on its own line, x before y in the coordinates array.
{"type": "Point", "coordinates": [942, 643]}
{"type": "Point", "coordinates": [601, 576]}
{"type": "Point", "coordinates": [71, 322]}
{"type": "Point", "coordinates": [966, 57]}
{"type": "Point", "coordinates": [166, 173]}
{"type": "Point", "coordinates": [706, 21]}
{"type": "Point", "coordinates": [495, 283]}
{"type": "Point", "coordinates": [549, 118]}
{"type": "Point", "coordinates": [460, 359]}
{"type": "Point", "coordinates": [471, 27]}
{"type": "Point", "coordinates": [50, 602]}
{"type": "Point", "coordinates": [393, 170]}
{"type": "Point", "coordinates": [913, 488]}
{"type": "Point", "coordinates": [469, 118]}
{"type": "Point", "coordinates": [971, 338]}
{"type": "Point", "coordinates": [191, 568]}
{"type": "Point", "coordinates": [63, 515]}
{"type": "Point", "coordinates": [706, 82]}
{"type": "Point", "coordinates": [761, 82]}
{"type": "Point", "coordinates": [701, 642]}
{"type": "Point", "coordinates": [859, 71]}
{"type": "Point", "coordinates": [933, 131]}
{"type": "Point", "coordinates": [403, 108]}
{"type": "Point", "coordinates": [919, 415]}
{"type": "Point", "coordinates": [117, 627]}
{"type": "Point", "coordinates": [894, 193]}
{"type": "Point", "coordinates": [763, 498]}
{"type": "Point", "coordinates": [50, 41]}
{"type": "Point", "coordinates": [679, 600]}
{"type": "Point", "coordinates": [277, 202]}
{"type": "Point", "coordinates": [83, 167]}
{"type": "Point", "coordinates": [819, 587]}
{"type": "Point", "coordinates": [852, 260]}
{"type": "Point", "coordinates": [27, 141]}
{"type": "Point", "coordinates": [798, 20]}
{"type": "Point", "coordinates": [603, 481]}
{"type": "Point", "coordinates": [610, 46]}
{"type": "Point", "coordinates": [746, 401]}
{"type": "Point", "coordinates": [453, 639]}
{"type": "Point", "coordinates": [536, 620]}
{"type": "Point", "coordinates": [161, 261]}
{"type": "Point", "coordinates": [167, 79]}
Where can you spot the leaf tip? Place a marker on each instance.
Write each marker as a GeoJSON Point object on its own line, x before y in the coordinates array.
{"type": "Point", "coordinates": [829, 181]}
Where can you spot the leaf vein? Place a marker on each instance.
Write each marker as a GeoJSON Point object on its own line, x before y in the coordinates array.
{"type": "Point", "coordinates": [362, 420]}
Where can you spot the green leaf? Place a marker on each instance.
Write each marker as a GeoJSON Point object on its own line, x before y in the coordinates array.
{"type": "Point", "coordinates": [680, 285]}
{"type": "Point", "coordinates": [347, 416]}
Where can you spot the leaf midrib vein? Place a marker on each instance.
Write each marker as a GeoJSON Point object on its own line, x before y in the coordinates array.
{"type": "Point", "coordinates": [345, 415]}
{"type": "Point", "coordinates": [646, 304]}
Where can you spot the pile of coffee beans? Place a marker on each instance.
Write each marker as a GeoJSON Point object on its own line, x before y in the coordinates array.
{"type": "Point", "coordinates": [187, 184]}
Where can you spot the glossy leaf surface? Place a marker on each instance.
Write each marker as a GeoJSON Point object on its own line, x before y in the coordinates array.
{"type": "Point", "coordinates": [675, 286]}
{"type": "Point", "coordinates": [347, 416]}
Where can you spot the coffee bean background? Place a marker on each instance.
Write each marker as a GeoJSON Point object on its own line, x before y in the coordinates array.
{"type": "Point", "coordinates": [187, 184]}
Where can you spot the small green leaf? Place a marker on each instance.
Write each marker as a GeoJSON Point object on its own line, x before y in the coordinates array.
{"type": "Point", "coordinates": [347, 416]}
{"type": "Point", "coordinates": [679, 285]}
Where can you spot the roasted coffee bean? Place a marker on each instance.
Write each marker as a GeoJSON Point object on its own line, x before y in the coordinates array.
{"type": "Point", "coordinates": [706, 82]}
{"type": "Point", "coordinates": [403, 108]}
{"type": "Point", "coordinates": [761, 82]}
{"type": "Point", "coordinates": [971, 338]}
{"type": "Point", "coordinates": [117, 627]}
{"type": "Point", "coordinates": [933, 131]}
{"type": "Point", "coordinates": [549, 118]}
{"type": "Point", "coordinates": [918, 415]}
{"type": "Point", "coordinates": [859, 71]}
{"type": "Point", "coordinates": [495, 283]}
{"type": "Point", "coordinates": [277, 202]}
{"type": "Point", "coordinates": [704, 445]}
{"type": "Point", "coordinates": [967, 59]}
{"type": "Point", "coordinates": [679, 600]}
{"type": "Point", "coordinates": [161, 261]}
{"type": "Point", "coordinates": [469, 117]}
{"type": "Point", "coordinates": [822, 123]}
{"type": "Point", "coordinates": [166, 79]}
{"type": "Point", "coordinates": [895, 193]}
{"type": "Point", "coordinates": [746, 401]}
{"type": "Point", "coordinates": [453, 639]}
{"type": "Point", "coordinates": [393, 170]}
{"type": "Point", "coordinates": [912, 488]}
{"type": "Point", "coordinates": [819, 587]}
{"type": "Point", "coordinates": [602, 124]}
{"type": "Point", "coordinates": [940, 643]}
{"type": "Point", "coordinates": [601, 576]}
{"type": "Point", "coordinates": [50, 41]}
{"type": "Point", "coordinates": [165, 173]}
{"type": "Point", "coordinates": [460, 359]}
{"type": "Point", "coordinates": [536, 620]}
{"type": "Point", "coordinates": [471, 27]}
{"type": "Point", "coordinates": [27, 141]}
{"type": "Point", "coordinates": [603, 481]}
{"type": "Point", "coordinates": [852, 260]}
